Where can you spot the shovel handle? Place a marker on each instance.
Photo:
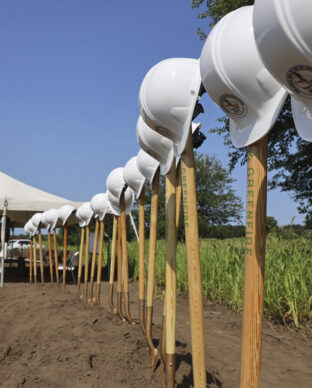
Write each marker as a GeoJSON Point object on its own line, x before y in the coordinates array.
{"type": "Point", "coordinates": [254, 264]}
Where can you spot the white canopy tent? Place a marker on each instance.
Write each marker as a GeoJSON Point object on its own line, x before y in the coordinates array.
{"type": "Point", "coordinates": [22, 201]}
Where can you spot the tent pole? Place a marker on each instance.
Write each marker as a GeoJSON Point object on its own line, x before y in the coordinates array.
{"type": "Point", "coordinates": [3, 250]}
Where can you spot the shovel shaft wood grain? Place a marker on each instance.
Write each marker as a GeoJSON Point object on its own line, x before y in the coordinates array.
{"type": "Point", "coordinates": [41, 256]}
{"type": "Point", "coordinates": [99, 267]}
{"type": "Point", "coordinates": [80, 261]}
{"type": "Point", "coordinates": [35, 260]}
{"type": "Point", "coordinates": [125, 258]}
{"type": "Point", "coordinates": [64, 255]}
{"type": "Point", "coordinates": [254, 264]}
{"type": "Point", "coordinates": [119, 273]}
{"type": "Point", "coordinates": [55, 257]}
{"type": "Point", "coordinates": [86, 273]}
{"type": "Point", "coordinates": [31, 252]}
{"type": "Point", "coordinates": [193, 264]}
{"type": "Point", "coordinates": [50, 257]}
{"type": "Point", "coordinates": [171, 244]}
{"type": "Point", "coordinates": [142, 262]}
{"type": "Point", "coordinates": [112, 267]}
{"type": "Point", "coordinates": [93, 262]}
{"type": "Point", "coordinates": [151, 267]}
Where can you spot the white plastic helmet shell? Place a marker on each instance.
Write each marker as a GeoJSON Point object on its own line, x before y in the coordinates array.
{"type": "Point", "coordinates": [86, 213]}
{"type": "Point", "coordinates": [26, 228]}
{"type": "Point", "coordinates": [31, 228]}
{"type": "Point", "coordinates": [100, 205]}
{"type": "Point", "coordinates": [147, 165]}
{"type": "Point", "coordinates": [51, 217]}
{"type": "Point", "coordinates": [65, 212]}
{"type": "Point", "coordinates": [283, 34]}
{"type": "Point", "coordinates": [35, 220]}
{"type": "Point", "coordinates": [115, 202]}
{"type": "Point", "coordinates": [235, 78]}
{"type": "Point", "coordinates": [115, 182]}
{"type": "Point", "coordinates": [156, 145]}
{"type": "Point", "coordinates": [168, 96]}
{"type": "Point", "coordinates": [43, 221]}
{"type": "Point", "coordinates": [133, 176]}
{"type": "Point", "coordinates": [81, 221]}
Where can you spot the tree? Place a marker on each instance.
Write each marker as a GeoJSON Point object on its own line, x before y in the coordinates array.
{"type": "Point", "coordinates": [271, 224]}
{"type": "Point", "coordinates": [289, 156]}
{"type": "Point", "coordinates": [217, 203]}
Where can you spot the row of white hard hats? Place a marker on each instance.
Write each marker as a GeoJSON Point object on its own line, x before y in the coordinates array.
{"type": "Point", "coordinates": [48, 219]}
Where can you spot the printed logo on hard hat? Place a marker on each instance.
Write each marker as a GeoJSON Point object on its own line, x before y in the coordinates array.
{"type": "Point", "coordinates": [164, 132]}
{"type": "Point", "coordinates": [233, 105]}
{"type": "Point", "coordinates": [153, 154]}
{"type": "Point", "coordinates": [299, 79]}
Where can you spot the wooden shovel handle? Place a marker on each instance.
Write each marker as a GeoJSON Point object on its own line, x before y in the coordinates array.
{"type": "Point", "coordinates": [142, 262]}
{"type": "Point", "coordinates": [112, 267]}
{"type": "Point", "coordinates": [80, 261]}
{"type": "Point", "coordinates": [64, 255]}
{"type": "Point", "coordinates": [35, 260]}
{"type": "Point", "coordinates": [31, 261]}
{"type": "Point", "coordinates": [50, 257]}
{"type": "Point", "coordinates": [95, 243]}
{"type": "Point", "coordinates": [86, 274]}
{"type": "Point", "coordinates": [193, 264]}
{"type": "Point", "coordinates": [171, 245]}
{"type": "Point", "coordinates": [41, 256]}
{"type": "Point", "coordinates": [55, 258]}
{"type": "Point", "coordinates": [99, 268]}
{"type": "Point", "coordinates": [254, 264]}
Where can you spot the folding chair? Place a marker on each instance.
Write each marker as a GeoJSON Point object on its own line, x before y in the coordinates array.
{"type": "Point", "coordinates": [70, 266]}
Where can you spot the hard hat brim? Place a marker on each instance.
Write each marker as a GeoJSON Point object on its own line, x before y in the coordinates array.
{"type": "Point", "coordinates": [180, 146]}
{"type": "Point", "coordinates": [302, 116]}
{"type": "Point", "coordinates": [258, 125]}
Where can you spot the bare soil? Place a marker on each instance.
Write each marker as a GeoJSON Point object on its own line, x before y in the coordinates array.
{"type": "Point", "coordinates": [50, 338]}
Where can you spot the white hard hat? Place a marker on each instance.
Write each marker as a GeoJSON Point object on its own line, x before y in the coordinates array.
{"type": "Point", "coordinates": [147, 165]}
{"type": "Point", "coordinates": [26, 228]}
{"type": "Point", "coordinates": [85, 213]}
{"type": "Point", "coordinates": [236, 79]}
{"type": "Point", "coordinates": [115, 182]}
{"type": "Point", "coordinates": [156, 145]}
{"type": "Point", "coordinates": [114, 202]}
{"type": "Point", "coordinates": [65, 212]}
{"type": "Point", "coordinates": [51, 217]}
{"type": "Point", "coordinates": [133, 176]}
{"type": "Point", "coordinates": [43, 220]}
{"type": "Point", "coordinates": [283, 35]}
{"type": "Point", "coordinates": [100, 205]}
{"type": "Point", "coordinates": [168, 96]}
{"type": "Point", "coordinates": [81, 221]}
{"type": "Point", "coordinates": [31, 228]}
{"type": "Point", "coordinates": [35, 220]}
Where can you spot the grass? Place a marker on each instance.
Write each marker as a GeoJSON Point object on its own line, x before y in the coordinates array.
{"type": "Point", "coordinates": [288, 277]}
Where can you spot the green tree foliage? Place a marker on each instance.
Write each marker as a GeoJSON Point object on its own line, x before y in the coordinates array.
{"type": "Point", "coordinates": [271, 224]}
{"type": "Point", "coordinates": [289, 156]}
{"type": "Point", "coordinates": [217, 204]}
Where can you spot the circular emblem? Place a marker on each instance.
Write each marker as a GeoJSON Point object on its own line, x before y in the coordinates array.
{"type": "Point", "coordinates": [299, 79]}
{"type": "Point", "coordinates": [233, 105]}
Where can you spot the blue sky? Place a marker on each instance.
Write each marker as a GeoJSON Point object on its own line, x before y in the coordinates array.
{"type": "Point", "coordinates": [70, 76]}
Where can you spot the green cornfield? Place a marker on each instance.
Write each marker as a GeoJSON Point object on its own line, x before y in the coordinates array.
{"type": "Point", "coordinates": [288, 274]}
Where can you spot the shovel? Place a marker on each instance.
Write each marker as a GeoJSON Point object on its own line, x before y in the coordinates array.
{"type": "Point", "coordinates": [86, 273]}
{"type": "Point", "coordinates": [80, 261]}
{"type": "Point", "coordinates": [142, 262]}
{"type": "Point", "coordinates": [119, 273]}
{"type": "Point", "coordinates": [254, 264]}
{"type": "Point", "coordinates": [41, 256]}
{"type": "Point", "coordinates": [125, 258]}
{"type": "Point", "coordinates": [193, 263]}
{"type": "Point", "coordinates": [50, 256]}
{"type": "Point", "coordinates": [95, 243]}
{"type": "Point", "coordinates": [64, 254]}
{"type": "Point", "coordinates": [35, 260]}
{"type": "Point", "coordinates": [56, 258]}
{"type": "Point", "coordinates": [31, 261]}
{"type": "Point", "coordinates": [99, 268]}
{"type": "Point", "coordinates": [112, 267]}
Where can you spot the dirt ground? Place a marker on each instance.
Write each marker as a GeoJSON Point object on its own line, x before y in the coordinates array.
{"type": "Point", "coordinates": [50, 338]}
